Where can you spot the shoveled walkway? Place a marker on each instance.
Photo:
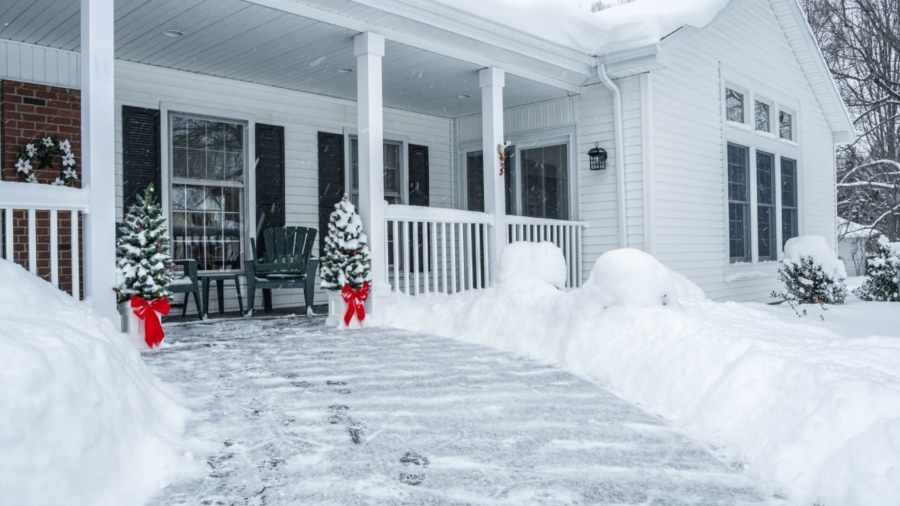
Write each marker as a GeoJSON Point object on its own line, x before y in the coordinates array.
{"type": "Point", "coordinates": [303, 414]}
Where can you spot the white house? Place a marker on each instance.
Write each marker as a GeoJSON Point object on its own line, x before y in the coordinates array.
{"type": "Point", "coordinates": [719, 122]}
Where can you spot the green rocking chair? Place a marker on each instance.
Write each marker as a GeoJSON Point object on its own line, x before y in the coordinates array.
{"type": "Point", "coordinates": [285, 263]}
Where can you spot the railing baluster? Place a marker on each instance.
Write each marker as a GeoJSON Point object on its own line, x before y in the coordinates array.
{"type": "Point", "coordinates": [415, 254]}
{"type": "Point", "coordinates": [470, 257]}
{"type": "Point", "coordinates": [478, 256]}
{"type": "Point", "coordinates": [578, 247]}
{"type": "Point", "coordinates": [8, 216]}
{"type": "Point", "coordinates": [444, 255]}
{"type": "Point", "coordinates": [32, 241]}
{"type": "Point", "coordinates": [453, 283]}
{"type": "Point", "coordinates": [434, 259]}
{"type": "Point", "coordinates": [54, 252]}
{"type": "Point", "coordinates": [426, 260]}
{"type": "Point", "coordinates": [76, 276]}
{"type": "Point", "coordinates": [487, 255]}
{"type": "Point", "coordinates": [396, 248]}
{"type": "Point", "coordinates": [407, 242]}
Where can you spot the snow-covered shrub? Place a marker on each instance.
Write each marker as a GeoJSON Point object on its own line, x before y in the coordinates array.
{"type": "Point", "coordinates": [883, 272]}
{"type": "Point", "coordinates": [82, 418]}
{"type": "Point", "coordinates": [811, 272]}
{"type": "Point", "coordinates": [630, 277]}
{"type": "Point", "coordinates": [542, 261]}
{"type": "Point", "coordinates": [347, 260]}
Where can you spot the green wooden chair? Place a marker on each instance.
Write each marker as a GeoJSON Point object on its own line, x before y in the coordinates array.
{"type": "Point", "coordinates": [284, 263]}
{"type": "Point", "coordinates": [188, 285]}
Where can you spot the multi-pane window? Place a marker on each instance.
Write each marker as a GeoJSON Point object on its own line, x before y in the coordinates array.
{"type": "Point", "coordinates": [739, 203]}
{"type": "Point", "coordinates": [763, 120]}
{"type": "Point", "coordinates": [545, 182]}
{"type": "Point", "coordinates": [790, 227]}
{"type": "Point", "coordinates": [207, 191]}
{"type": "Point", "coordinates": [765, 207]}
{"type": "Point", "coordinates": [786, 125]}
{"type": "Point", "coordinates": [475, 181]}
{"type": "Point", "coordinates": [734, 105]}
{"type": "Point", "coordinates": [392, 171]}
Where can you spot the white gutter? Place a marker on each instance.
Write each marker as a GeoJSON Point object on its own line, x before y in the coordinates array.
{"type": "Point", "coordinates": [620, 152]}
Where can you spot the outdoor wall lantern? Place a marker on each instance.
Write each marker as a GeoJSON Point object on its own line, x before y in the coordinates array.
{"type": "Point", "coordinates": [598, 157]}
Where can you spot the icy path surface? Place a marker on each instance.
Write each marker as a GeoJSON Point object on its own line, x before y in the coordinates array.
{"type": "Point", "coordinates": [298, 413]}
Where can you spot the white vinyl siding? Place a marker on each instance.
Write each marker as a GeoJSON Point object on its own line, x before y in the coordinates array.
{"type": "Point", "coordinates": [689, 171]}
{"type": "Point", "coordinates": [302, 115]}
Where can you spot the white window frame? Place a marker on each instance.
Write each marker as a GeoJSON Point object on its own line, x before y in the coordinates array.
{"type": "Point", "coordinates": [745, 134]}
{"type": "Point", "coordinates": [530, 139]}
{"type": "Point", "coordinates": [389, 138]}
{"type": "Point", "coordinates": [249, 211]}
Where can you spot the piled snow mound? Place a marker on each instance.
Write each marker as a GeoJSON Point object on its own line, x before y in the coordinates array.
{"type": "Point", "coordinates": [817, 248]}
{"type": "Point", "coordinates": [629, 277]}
{"type": "Point", "coordinates": [810, 414]}
{"type": "Point", "coordinates": [542, 261]}
{"type": "Point", "coordinates": [82, 419]}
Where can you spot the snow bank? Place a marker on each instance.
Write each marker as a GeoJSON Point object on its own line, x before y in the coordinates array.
{"type": "Point", "coordinates": [810, 414]}
{"type": "Point", "coordinates": [816, 247]}
{"type": "Point", "coordinates": [82, 419]}
{"type": "Point", "coordinates": [622, 27]}
{"type": "Point", "coordinates": [542, 261]}
{"type": "Point", "coordinates": [628, 277]}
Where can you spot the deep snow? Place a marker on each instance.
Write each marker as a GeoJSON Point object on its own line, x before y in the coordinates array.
{"type": "Point", "coordinates": [82, 419]}
{"type": "Point", "coordinates": [628, 26]}
{"type": "Point", "coordinates": [302, 413]}
{"type": "Point", "coordinates": [813, 414]}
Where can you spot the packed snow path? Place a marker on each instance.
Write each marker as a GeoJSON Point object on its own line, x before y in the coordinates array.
{"type": "Point", "coordinates": [298, 413]}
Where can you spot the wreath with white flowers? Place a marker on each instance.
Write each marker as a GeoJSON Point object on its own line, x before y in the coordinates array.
{"type": "Point", "coordinates": [43, 151]}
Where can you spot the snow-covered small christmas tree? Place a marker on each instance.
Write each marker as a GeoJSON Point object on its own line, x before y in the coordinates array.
{"type": "Point", "coordinates": [144, 265]}
{"type": "Point", "coordinates": [347, 260]}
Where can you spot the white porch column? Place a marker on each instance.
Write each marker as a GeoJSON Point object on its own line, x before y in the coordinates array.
{"type": "Point", "coordinates": [369, 49]}
{"type": "Point", "coordinates": [98, 154]}
{"type": "Point", "coordinates": [492, 81]}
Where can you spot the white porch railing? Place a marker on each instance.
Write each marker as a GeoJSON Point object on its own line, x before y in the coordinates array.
{"type": "Point", "coordinates": [566, 235]}
{"type": "Point", "coordinates": [39, 201]}
{"type": "Point", "coordinates": [434, 250]}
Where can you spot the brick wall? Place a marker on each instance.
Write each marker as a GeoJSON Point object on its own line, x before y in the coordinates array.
{"type": "Point", "coordinates": [27, 112]}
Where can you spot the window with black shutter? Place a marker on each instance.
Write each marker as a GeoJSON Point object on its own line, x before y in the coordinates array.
{"type": "Point", "coordinates": [331, 180]}
{"type": "Point", "coordinates": [140, 153]}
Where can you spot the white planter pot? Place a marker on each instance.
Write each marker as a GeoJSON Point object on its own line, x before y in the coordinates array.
{"type": "Point", "coordinates": [131, 324]}
{"type": "Point", "coordinates": [337, 308]}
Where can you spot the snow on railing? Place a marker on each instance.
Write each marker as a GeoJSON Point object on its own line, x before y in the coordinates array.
{"type": "Point", "coordinates": [22, 205]}
{"type": "Point", "coordinates": [565, 234]}
{"type": "Point", "coordinates": [450, 245]}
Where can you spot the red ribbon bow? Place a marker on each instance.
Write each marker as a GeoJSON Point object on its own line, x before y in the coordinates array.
{"type": "Point", "coordinates": [355, 300]}
{"type": "Point", "coordinates": [153, 331]}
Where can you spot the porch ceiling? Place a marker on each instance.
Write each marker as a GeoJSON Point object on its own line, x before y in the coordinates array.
{"type": "Point", "coordinates": [244, 41]}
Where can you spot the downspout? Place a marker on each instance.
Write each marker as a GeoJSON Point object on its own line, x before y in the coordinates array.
{"type": "Point", "coordinates": [620, 152]}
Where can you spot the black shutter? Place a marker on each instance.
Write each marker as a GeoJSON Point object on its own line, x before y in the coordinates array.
{"type": "Point", "coordinates": [269, 177]}
{"type": "Point", "coordinates": [331, 180]}
{"type": "Point", "coordinates": [140, 153]}
{"type": "Point", "coordinates": [419, 195]}
{"type": "Point", "coordinates": [418, 176]}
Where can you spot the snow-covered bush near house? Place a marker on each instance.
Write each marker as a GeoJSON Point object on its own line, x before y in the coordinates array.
{"type": "Point", "coordinates": [628, 277]}
{"type": "Point", "coordinates": [542, 261]}
{"type": "Point", "coordinates": [808, 413]}
{"type": "Point", "coordinates": [82, 419]}
{"type": "Point", "coordinates": [811, 272]}
{"type": "Point", "coordinates": [883, 280]}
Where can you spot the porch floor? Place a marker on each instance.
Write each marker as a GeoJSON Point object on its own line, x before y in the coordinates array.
{"type": "Point", "coordinates": [299, 413]}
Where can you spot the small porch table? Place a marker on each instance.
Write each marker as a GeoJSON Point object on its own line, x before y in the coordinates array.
{"type": "Point", "coordinates": [220, 279]}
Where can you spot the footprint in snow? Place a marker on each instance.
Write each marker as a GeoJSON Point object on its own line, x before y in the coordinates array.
{"type": "Point", "coordinates": [338, 414]}
{"type": "Point", "coordinates": [356, 432]}
{"type": "Point", "coordinates": [413, 459]}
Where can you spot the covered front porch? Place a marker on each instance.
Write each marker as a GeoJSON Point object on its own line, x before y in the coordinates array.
{"type": "Point", "coordinates": [254, 114]}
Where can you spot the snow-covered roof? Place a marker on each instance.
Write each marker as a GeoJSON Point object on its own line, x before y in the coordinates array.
{"type": "Point", "coordinates": [627, 26]}
{"type": "Point", "coordinates": [849, 230]}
